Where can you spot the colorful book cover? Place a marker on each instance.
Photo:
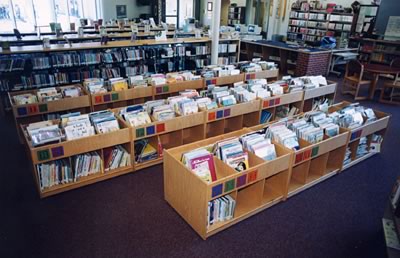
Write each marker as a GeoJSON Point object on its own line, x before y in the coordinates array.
{"type": "Point", "coordinates": [204, 163]}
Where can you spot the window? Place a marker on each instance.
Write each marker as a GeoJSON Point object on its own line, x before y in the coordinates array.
{"type": "Point", "coordinates": [25, 15]}
{"type": "Point", "coordinates": [185, 11]}
{"type": "Point", "coordinates": [6, 16]}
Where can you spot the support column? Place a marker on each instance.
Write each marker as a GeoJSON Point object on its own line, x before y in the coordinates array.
{"type": "Point", "coordinates": [215, 22]}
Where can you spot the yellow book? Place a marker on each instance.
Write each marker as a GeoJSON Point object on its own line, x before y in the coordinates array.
{"type": "Point", "coordinates": [118, 86]}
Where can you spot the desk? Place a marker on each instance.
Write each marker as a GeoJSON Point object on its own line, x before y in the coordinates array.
{"type": "Point", "coordinates": [376, 70]}
{"type": "Point", "coordinates": [339, 58]}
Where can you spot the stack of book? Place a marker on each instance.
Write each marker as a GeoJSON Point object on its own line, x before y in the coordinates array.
{"type": "Point", "coordinates": [259, 145]}
{"type": "Point", "coordinates": [137, 81]}
{"type": "Point", "coordinates": [44, 132]}
{"type": "Point", "coordinates": [183, 105]}
{"type": "Point", "coordinates": [286, 111]}
{"type": "Point", "coordinates": [232, 153]}
{"type": "Point", "coordinates": [54, 173]}
{"type": "Point", "coordinates": [116, 157]}
{"type": "Point", "coordinates": [144, 151]}
{"type": "Point", "coordinates": [118, 84]}
{"type": "Point", "coordinates": [86, 164]}
{"type": "Point", "coordinates": [307, 131]}
{"type": "Point", "coordinates": [347, 156]}
{"type": "Point", "coordinates": [159, 110]}
{"type": "Point", "coordinates": [94, 85]}
{"type": "Point", "coordinates": [23, 99]}
{"type": "Point", "coordinates": [48, 94]}
{"type": "Point", "coordinates": [76, 126]}
{"type": "Point", "coordinates": [321, 120]}
{"type": "Point", "coordinates": [281, 134]}
{"type": "Point", "coordinates": [201, 162]}
{"type": "Point", "coordinates": [104, 121]}
{"type": "Point", "coordinates": [205, 103]}
{"type": "Point", "coordinates": [220, 209]}
{"type": "Point", "coordinates": [353, 116]}
{"type": "Point", "coordinates": [242, 94]}
{"type": "Point", "coordinates": [362, 148]}
{"type": "Point", "coordinates": [135, 115]}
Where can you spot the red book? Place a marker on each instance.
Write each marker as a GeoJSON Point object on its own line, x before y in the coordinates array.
{"type": "Point", "coordinates": [202, 163]}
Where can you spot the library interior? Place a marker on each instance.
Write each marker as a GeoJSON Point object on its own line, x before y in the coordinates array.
{"type": "Point", "coordinates": [200, 128]}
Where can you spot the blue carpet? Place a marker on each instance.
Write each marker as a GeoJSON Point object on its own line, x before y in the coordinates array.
{"type": "Point", "coordinates": [128, 217]}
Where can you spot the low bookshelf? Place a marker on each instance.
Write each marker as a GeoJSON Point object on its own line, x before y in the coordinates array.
{"type": "Point", "coordinates": [378, 127]}
{"type": "Point", "coordinates": [35, 112]}
{"type": "Point", "coordinates": [162, 135]}
{"type": "Point", "coordinates": [263, 184]}
{"type": "Point", "coordinates": [65, 150]}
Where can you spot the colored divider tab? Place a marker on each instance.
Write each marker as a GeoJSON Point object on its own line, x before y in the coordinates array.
{"type": "Point", "coordinates": [241, 181]}
{"type": "Point", "coordinates": [160, 128]}
{"type": "Point", "coordinates": [139, 132]}
{"type": "Point", "coordinates": [159, 90]}
{"type": "Point", "coordinates": [216, 190]}
{"type": "Point", "coordinates": [22, 111]}
{"type": "Point", "coordinates": [165, 88]}
{"type": "Point", "coordinates": [43, 108]}
{"type": "Point", "coordinates": [43, 155]}
{"type": "Point", "coordinates": [115, 96]}
{"type": "Point", "coordinates": [211, 116]}
{"type": "Point", "coordinates": [314, 151]}
{"type": "Point", "coordinates": [33, 109]}
{"type": "Point", "coordinates": [98, 99]}
{"type": "Point", "coordinates": [229, 185]}
{"type": "Point", "coordinates": [355, 135]}
{"type": "Point", "coordinates": [107, 98]}
{"type": "Point", "coordinates": [227, 112]}
{"type": "Point", "coordinates": [220, 114]}
{"type": "Point", "coordinates": [299, 157]}
{"type": "Point", "coordinates": [252, 176]}
{"type": "Point", "coordinates": [265, 103]}
{"type": "Point", "coordinates": [57, 151]}
{"type": "Point", "coordinates": [272, 102]}
{"type": "Point", "coordinates": [307, 154]}
{"type": "Point", "coordinates": [277, 101]}
{"type": "Point", "coordinates": [150, 130]}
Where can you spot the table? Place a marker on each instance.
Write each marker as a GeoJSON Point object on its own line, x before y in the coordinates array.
{"type": "Point", "coordinates": [340, 59]}
{"type": "Point", "coordinates": [376, 70]}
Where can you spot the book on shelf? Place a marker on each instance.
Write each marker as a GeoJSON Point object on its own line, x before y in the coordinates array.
{"type": "Point", "coordinates": [76, 126]}
{"type": "Point", "coordinates": [94, 85]}
{"type": "Point", "coordinates": [86, 164]}
{"type": "Point", "coordinates": [201, 163]}
{"type": "Point", "coordinates": [232, 153]}
{"type": "Point", "coordinates": [118, 84]}
{"type": "Point", "coordinates": [23, 99]}
{"type": "Point", "coordinates": [220, 209]}
{"type": "Point", "coordinates": [281, 134]}
{"type": "Point", "coordinates": [144, 151]}
{"type": "Point", "coordinates": [48, 94]}
{"type": "Point", "coordinates": [116, 157]}
{"type": "Point", "coordinates": [135, 115]}
{"type": "Point", "coordinates": [259, 145]}
{"type": "Point", "coordinates": [54, 173]}
{"type": "Point", "coordinates": [44, 132]}
{"type": "Point", "coordinates": [104, 121]}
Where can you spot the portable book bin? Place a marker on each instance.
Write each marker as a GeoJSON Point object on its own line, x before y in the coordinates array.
{"type": "Point", "coordinates": [262, 185]}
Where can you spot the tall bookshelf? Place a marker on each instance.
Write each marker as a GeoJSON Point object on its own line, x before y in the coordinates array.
{"type": "Point", "coordinates": [376, 51]}
{"type": "Point", "coordinates": [30, 67]}
{"type": "Point", "coordinates": [236, 15]}
{"type": "Point", "coordinates": [312, 25]}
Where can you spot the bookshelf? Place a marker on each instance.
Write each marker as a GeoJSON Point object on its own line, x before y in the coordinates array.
{"type": "Point", "coordinates": [376, 51]}
{"type": "Point", "coordinates": [65, 150]}
{"type": "Point", "coordinates": [311, 26]}
{"type": "Point", "coordinates": [31, 67]}
{"type": "Point", "coordinates": [264, 184]}
{"type": "Point", "coordinates": [35, 112]}
{"type": "Point", "coordinates": [236, 15]}
{"type": "Point", "coordinates": [313, 95]}
{"type": "Point", "coordinates": [376, 127]}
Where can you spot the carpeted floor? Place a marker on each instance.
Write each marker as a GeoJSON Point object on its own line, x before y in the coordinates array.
{"type": "Point", "coordinates": [128, 217]}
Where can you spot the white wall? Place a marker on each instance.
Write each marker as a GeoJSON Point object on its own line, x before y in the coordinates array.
{"type": "Point", "coordinates": [239, 2]}
{"type": "Point", "coordinates": [279, 26]}
{"type": "Point", "coordinates": [133, 10]}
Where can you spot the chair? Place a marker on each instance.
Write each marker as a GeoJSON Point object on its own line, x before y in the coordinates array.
{"type": "Point", "coordinates": [353, 80]}
{"type": "Point", "coordinates": [391, 89]}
